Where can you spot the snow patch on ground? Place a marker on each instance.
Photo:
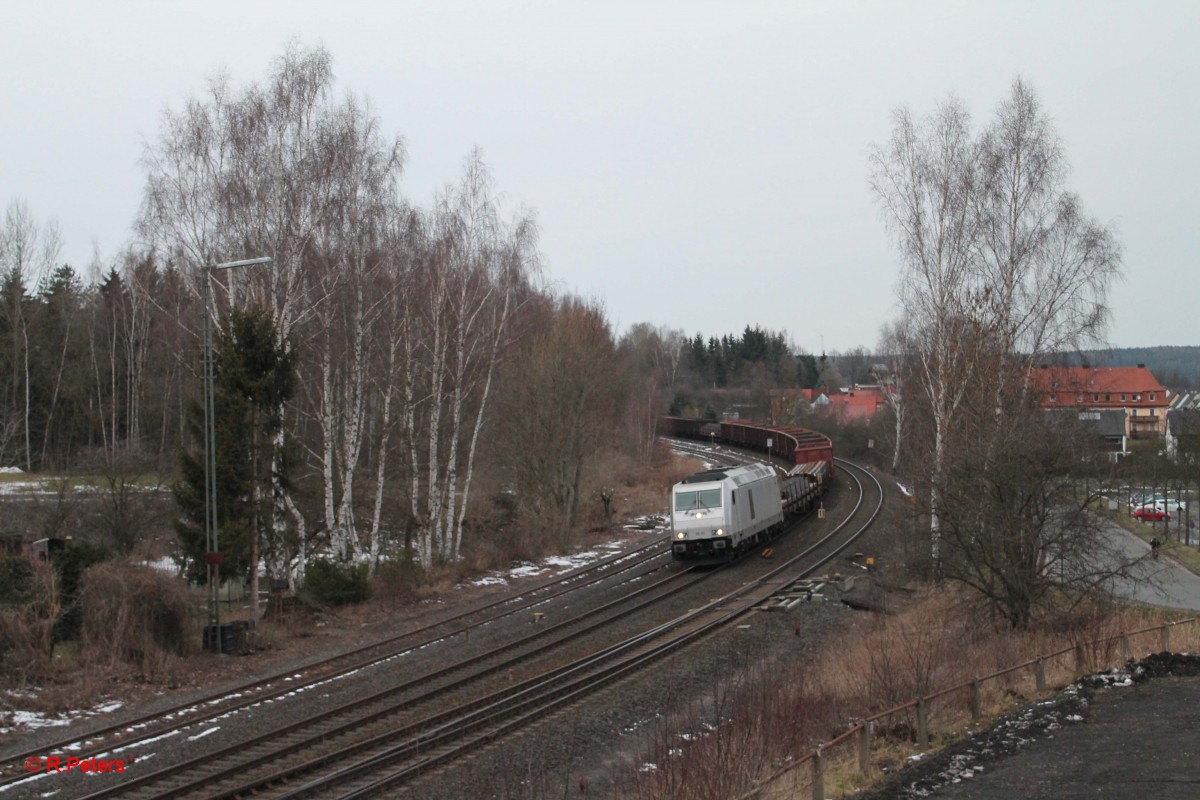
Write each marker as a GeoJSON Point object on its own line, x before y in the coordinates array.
{"type": "Point", "coordinates": [21, 721]}
{"type": "Point", "coordinates": [24, 487]}
{"type": "Point", "coordinates": [651, 523]}
{"type": "Point", "coordinates": [164, 564]}
{"type": "Point", "coordinates": [556, 565]}
{"type": "Point", "coordinates": [54, 486]}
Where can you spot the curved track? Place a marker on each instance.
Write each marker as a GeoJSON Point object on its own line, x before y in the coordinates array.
{"type": "Point", "coordinates": [393, 736]}
{"type": "Point", "coordinates": [364, 765]}
{"type": "Point", "coordinates": [462, 732]}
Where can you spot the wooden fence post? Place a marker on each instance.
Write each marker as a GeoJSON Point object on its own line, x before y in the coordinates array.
{"type": "Point", "coordinates": [976, 703]}
{"type": "Point", "coordinates": [1079, 658]}
{"type": "Point", "coordinates": [1125, 653]}
{"type": "Point", "coordinates": [818, 787]}
{"type": "Point", "coordinates": [923, 724]}
{"type": "Point", "coordinates": [1039, 671]}
{"type": "Point", "coordinates": [1166, 638]}
{"type": "Point", "coordinates": [864, 748]}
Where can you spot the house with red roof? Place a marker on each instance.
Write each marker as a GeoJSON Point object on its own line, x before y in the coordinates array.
{"type": "Point", "coordinates": [852, 404]}
{"type": "Point", "coordinates": [1132, 390]}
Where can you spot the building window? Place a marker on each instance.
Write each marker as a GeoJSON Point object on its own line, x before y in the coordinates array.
{"type": "Point", "coordinates": [1108, 398]}
{"type": "Point", "coordinates": [1095, 398]}
{"type": "Point", "coordinates": [1079, 398]}
{"type": "Point", "coordinates": [1152, 413]}
{"type": "Point", "coordinates": [1152, 397]}
{"type": "Point", "coordinates": [1122, 398]}
{"type": "Point", "coordinates": [1053, 398]}
{"type": "Point", "coordinates": [1134, 412]}
{"type": "Point", "coordinates": [1137, 398]}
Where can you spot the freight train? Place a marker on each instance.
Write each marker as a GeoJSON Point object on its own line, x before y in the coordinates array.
{"type": "Point", "coordinates": [723, 512]}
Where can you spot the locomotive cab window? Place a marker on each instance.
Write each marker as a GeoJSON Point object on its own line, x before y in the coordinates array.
{"type": "Point", "coordinates": [705, 499]}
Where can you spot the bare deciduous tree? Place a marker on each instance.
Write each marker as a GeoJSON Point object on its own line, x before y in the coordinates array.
{"type": "Point", "coordinates": [1016, 524]}
{"type": "Point", "coordinates": [468, 283]}
{"type": "Point", "coordinates": [1000, 265]}
{"type": "Point", "coordinates": [566, 399]}
{"type": "Point", "coordinates": [28, 252]}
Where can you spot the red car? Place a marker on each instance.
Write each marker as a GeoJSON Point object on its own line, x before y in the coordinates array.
{"type": "Point", "coordinates": [1150, 514]}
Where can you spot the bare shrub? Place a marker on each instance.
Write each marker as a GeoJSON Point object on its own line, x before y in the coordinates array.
{"type": "Point", "coordinates": [26, 628]}
{"type": "Point", "coordinates": [752, 725]}
{"type": "Point", "coordinates": [134, 616]}
{"type": "Point", "coordinates": [395, 582]}
{"type": "Point", "coordinates": [743, 728]}
{"type": "Point", "coordinates": [897, 658]}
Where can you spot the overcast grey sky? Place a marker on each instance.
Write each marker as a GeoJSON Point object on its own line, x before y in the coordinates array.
{"type": "Point", "coordinates": [694, 164]}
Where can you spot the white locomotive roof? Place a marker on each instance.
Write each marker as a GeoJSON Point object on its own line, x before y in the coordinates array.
{"type": "Point", "coordinates": [739, 475]}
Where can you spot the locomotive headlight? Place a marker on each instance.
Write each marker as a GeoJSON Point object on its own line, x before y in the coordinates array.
{"type": "Point", "coordinates": [679, 535]}
{"type": "Point", "coordinates": [699, 515]}
{"type": "Point", "coordinates": [720, 531]}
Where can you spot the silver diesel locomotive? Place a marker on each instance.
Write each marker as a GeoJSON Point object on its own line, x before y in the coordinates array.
{"type": "Point", "coordinates": [720, 513]}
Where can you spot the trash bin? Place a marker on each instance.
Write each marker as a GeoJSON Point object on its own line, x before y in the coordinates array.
{"type": "Point", "coordinates": [234, 637]}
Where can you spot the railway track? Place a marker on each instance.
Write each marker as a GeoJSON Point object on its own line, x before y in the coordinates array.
{"type": "Point", "coordinates": [462, 731]}
{"type": "Point", "coordinates": [345, 732]}
{"type": "Point", "coordinates": [364, 757]}
{"type": "Point", "coordinates": [129, 732]}
{"type": "Point", "coordinates": [393, 736]}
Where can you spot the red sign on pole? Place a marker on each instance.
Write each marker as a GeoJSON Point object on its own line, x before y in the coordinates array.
{"type": "Point", "coordinates": [214, 558]}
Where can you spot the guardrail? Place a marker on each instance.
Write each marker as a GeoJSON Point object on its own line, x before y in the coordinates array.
{"type": "Point", "coordinates": [861, 735]}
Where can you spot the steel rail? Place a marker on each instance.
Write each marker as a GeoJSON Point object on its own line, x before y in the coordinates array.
{"type": "Point", "coordinates": [505, 717]}
{"type": "Point", "coordinates": [204, 763]}
{"type": "Point", "coordinates": [511, 708]}
{"type": "Point", "coordinates": [207, 707]}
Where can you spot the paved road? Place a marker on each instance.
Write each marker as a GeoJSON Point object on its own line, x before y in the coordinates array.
{"type": "Point", "coordinates": [1158, 583]}
{"type": "Point", "coordinates": [1139, 742]}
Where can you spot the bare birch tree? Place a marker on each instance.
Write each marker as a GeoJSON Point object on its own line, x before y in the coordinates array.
{"type": "Point", "coordinates": [469, 282]}
{"type": "Point", "coordinates": [893, 346]}
{"type": "Point", "coordinates": [923, 179]}
{"type": "Point", "coordinates": [28, 251]}
{"type": "Point", "coordinates": [1001, 266]}
{"type": "Point", "coordinates": [1045, 266]}
{"type": "Point", "coordinates": [284, 170]}
{"type": "Point", "coordinates": [356, 294]}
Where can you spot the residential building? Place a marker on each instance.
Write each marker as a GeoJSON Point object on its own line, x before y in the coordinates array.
{"type": "Point", "coordinates": [858, 403]}
{"type": "Point", "coordinates": [1132, 390]}
{"type": "Point", "coordinates": [1183, 433]}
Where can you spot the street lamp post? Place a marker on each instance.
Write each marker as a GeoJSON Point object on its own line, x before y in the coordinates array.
{"type": "Point", "coordinates": [213, 556]}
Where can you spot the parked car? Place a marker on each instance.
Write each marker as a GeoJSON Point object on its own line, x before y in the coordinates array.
{"type": "Point", "coordinates": [1151, 513]}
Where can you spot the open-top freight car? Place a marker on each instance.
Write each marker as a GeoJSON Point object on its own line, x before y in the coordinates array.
{"type": "Point", "coordinates": [798, 445]}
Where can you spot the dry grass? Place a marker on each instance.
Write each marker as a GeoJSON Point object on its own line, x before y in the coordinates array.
{"type": "Point", "coordinates": [26, 631]}
{"type": "Point", "coordinates": [134, 617]}
{"type": "Point", "coordinates": [939, 641]}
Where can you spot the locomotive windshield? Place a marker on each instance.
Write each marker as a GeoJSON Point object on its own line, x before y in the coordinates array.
{"type": "Point", "coordinates": [705, 499]}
